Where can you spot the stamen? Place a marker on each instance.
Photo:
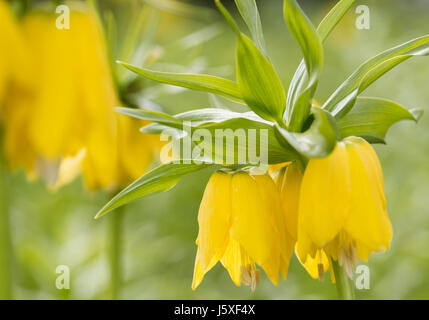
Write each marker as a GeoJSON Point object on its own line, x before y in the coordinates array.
{"type": "Point", "coordinates": [256, 277]}
{"type": "Point", "coordinates": [321, 271]}
{"type": "Point", "coordinates": [347, 258]}
{"type": "Point", "coordinates": [246, 278]}
{"type": "Point", "coordinates": [320, 268]}
{"type": "Point", "coordinates": [250, 276]}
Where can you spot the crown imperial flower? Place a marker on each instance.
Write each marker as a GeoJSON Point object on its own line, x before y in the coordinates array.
{"type": "Point", "coordinates": [342, 205]}
{"type": "Point", "coordinates": [241, 224]}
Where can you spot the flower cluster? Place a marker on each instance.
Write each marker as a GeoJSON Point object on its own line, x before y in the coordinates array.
{"type": "Point", "coordinates": [326, 194]}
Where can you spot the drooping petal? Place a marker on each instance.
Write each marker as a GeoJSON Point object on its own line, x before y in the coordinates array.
{"type": "Point", "coordinates": [234, 259]}
{"type": "Point", "coordinates": [368, 152]}
{"type": "Point", "coordinates": [271, 196]}
{"type": "Point", "coordinates": [214, 218]}
{"type": "Point", "coordinates": [252, 224]}
{"type": "Point", "coordinates": [304, 247]}
{"type": "Point", "coordinates": [368, 222]}
{"type": "Point", "coordinates": [199, 271]}
{"type": "Point", "coordinates": [317, 266]}
{"type": "Point", "coordinates": [290, 185]}
{"type": "Point", "coordinates": [325, 196]}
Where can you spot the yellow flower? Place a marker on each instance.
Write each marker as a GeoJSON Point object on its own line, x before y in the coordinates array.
{"type": "Point", "coordinates": [70, 101]}
{"type": "Point", "coordinates": [65, 124]}
{"type": "Point", "coordinates": [242, 225]}
{"type": "Point", "coordinates": [342, 211]}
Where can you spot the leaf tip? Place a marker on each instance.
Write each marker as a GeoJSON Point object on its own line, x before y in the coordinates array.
{"type": "Point", "coordinates": [417, 114]}
{"type": "Point", "coordinates": [122, 63]}
{"type": "Point", "coordinates": [99, 214]}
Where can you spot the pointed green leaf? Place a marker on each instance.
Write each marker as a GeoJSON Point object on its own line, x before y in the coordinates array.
{"type": "Point", "coordinates": [371, 118]}
{"type": "Point", "coordinates": [305, 34]}
{"type": "Point", "coordinates": [334, 16]}
{"type": "Point", "coordinates": [199, 82]}
{"type": "Point", "coordinates": [318, 140]}
{"type": "Point", "coordinates": [229, 19]}
{"type": "Point", "coordinates": [259, 138]}
{"type": "Point", "coordinates": [344, 98]}
{"type": "Point", "coordinates": [212, 120]}
{"type": "Point", "coordinates": [153, 116]}
{"type": "Point", "coordinates": [158, 180]}
{"type": "Point", "coordinates": [249, 12]}
{"type": "Point", "coordinates": [324, 29]}
{"type": "Point", "coordinates": [257, 79]}
{"type": "Point", "coordinates": [259, 83]}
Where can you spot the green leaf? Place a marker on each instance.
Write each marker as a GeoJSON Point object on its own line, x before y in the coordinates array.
{"type": "Point", "coordinates": [199, 82]}
{"type": "Point", "coordinates": [318, 140]}
{"type": "Point", "coordinates": [153, 116]}
{"type": "Point", "coordinates": [333, 18]}
{"type": "Point", "coordinates": [257, 79]}
{"type": "Point", "coordinates": [324, 29]}
{"type": "Point", "coordinates": [229, 19]}
{"type": "Point", "coordinates": [218, 119]}
{"type": "Point", "coordinates": [271, 147]}
{"type": "Point", "coordinates": [249, 12]}
{"type": "Point", "coordinates": [184, 9]}
{"type": "Point", "coordinates": [305, 34]}
{"type": "Point", "coordinates": [344, 98]}
{"type": "Point", "coordinates": [371, 118]}
{"type": "Point", "coordinates": [158, 180]}
{"type": "Point", "coordinates": [259, 83]}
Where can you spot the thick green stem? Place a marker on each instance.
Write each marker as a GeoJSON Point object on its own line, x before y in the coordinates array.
{"type": "Point", "coordinates": [344, 284]}
{"type": "Point", "coordinates": [5, 235]}
{"type": "Point", "coordinates": [115, 250]}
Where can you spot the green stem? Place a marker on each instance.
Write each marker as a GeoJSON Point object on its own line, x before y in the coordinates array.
{"type": "Point", "coordinates": [115, 250]}
{"type": "Point", "coordinates": [344, 284]}
{"type": "Point", "coordinates": [5, 235]}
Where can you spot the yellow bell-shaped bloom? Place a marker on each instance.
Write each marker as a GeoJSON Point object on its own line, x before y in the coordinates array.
{"type": "Point", "coordinates": [65, 123]}
{"type": "Point", "coordinates": [70, 100]}
{"type": "Point", "coordinates": [241, 224]}
{"type": "Point", "coordinates": [342, 210]}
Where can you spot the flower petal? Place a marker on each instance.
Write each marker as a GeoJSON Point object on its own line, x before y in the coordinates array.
{"type": "Point", "coordinates": [253, 223]}
{"type": "Point", "coordinates": [368, 222]}
{"type": "Point", "coordinates": [325, 196]}
{"type": "Point", "coordinates": [214, 218]}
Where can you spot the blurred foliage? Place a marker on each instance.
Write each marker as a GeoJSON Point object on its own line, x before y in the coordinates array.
{"type": "Point", "coordinates": [51, 229]}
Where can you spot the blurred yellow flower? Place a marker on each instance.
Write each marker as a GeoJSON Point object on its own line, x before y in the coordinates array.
{"type": "Point", "coordinates": [342, 211]}
{"type": "Point", "coordinates": [241, 224]}
{"type": "Point", "coordinates": [66, 123]}
{"type": "Point", "coordinates": [136, 150]}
